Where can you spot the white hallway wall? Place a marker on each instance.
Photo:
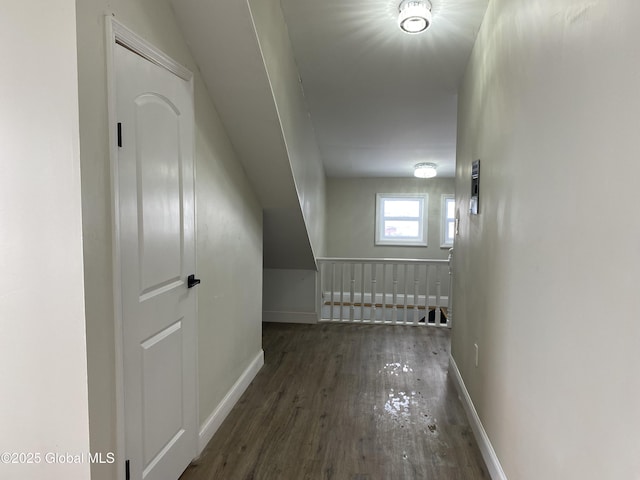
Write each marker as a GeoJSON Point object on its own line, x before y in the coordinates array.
{"type": "Point", "coordinates": [43, 372]}
{"type": "Point", "coordinates": [351, 210]}
{"type": "Point", "coordinates": [229, 227]}
{"type": "Point", "coordinates": [289, 294]}
{"type": "Point", "coordinates": [295, 122]}
{"type": "Point", "coordinates": [547, 275]}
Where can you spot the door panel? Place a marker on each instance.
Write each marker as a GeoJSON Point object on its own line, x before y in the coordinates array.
{"type": "Point", "coordinates": [162, 416]}
{"type": "Point", "coordinates": [157, 251]}
{"type": "Point", "coordinates": [159, 199]}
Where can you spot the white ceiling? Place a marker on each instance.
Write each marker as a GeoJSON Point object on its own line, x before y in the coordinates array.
{"type": "Point", "coordinates": [382, 100]}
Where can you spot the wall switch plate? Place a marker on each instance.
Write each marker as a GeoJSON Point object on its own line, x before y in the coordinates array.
{"type": "Point", "coordinates": [474, 202]}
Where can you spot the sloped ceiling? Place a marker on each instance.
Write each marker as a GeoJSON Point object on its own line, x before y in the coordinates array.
{"type": "Point", "coordinates": [223, 40]}
{"type": "Point", "coordinates": [382, 100]}
{"type": "Point", "coordinates": [379, 100]}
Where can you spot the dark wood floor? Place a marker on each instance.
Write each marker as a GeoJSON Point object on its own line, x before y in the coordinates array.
{"type": "Point", "coordinates": [346, 402]}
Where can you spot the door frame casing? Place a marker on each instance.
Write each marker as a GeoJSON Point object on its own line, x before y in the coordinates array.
{"type": "Point", "coordinates": [117, 33]}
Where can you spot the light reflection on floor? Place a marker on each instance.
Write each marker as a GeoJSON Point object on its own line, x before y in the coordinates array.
{"type": "Point", "coordinates": [398, 403]}
{"type": "Point", "coordinates": [403, 408]}
{"type": "Point", "coordinates": [396, 368]}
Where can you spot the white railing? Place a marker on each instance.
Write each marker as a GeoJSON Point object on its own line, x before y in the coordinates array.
{"type": "Point", "coordinates": [385, 291]}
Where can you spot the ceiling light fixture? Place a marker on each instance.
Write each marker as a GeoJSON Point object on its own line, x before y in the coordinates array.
{"type": "Point", "coordinates": [415, 16]}
{"type": "Point", "coordinates": [425, 170]}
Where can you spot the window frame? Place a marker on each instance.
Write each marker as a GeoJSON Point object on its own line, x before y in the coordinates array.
{"type": "Point", "coordinates": [444, 220]}
{"type": "Point", "coordinates": [423, 220]}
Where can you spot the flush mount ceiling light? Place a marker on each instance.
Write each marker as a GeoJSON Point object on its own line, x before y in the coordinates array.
{"type": "Point", "coordinates": [425, 170]}
{"type": "Point", "coordinates": [415, 15]}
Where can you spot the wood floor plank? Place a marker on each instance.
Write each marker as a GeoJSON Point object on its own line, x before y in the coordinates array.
{"type": "Point", "coordinates": [346, 402]}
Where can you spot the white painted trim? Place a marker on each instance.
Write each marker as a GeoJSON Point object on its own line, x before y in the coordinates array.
{"type": "Point", "coordinates": [213, 422]}
{"type": "Point", "coordinates": [139, 45]}
{"type": "Point", "coordinates": [115, 228]}
{"type": "Point", "coordinates": [443, 219]}
{"type": "Point", "coordinates": [488, 453]}
{"type": "Point", "coordinates": [381, 261]}
{"type": "Point", "coordinates": [290, 317]}
{"type": "Point", "coordinates": [346, 298]}
{"type": "Point", "coordinates": [116, 32]}
{"type": "Point", "coordinates": [423, 220]}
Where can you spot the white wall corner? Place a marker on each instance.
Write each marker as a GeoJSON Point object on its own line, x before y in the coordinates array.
{"type": "Point", "coordinates": [290, 317]}
{"type": "Point", "coordinates": [213, 422]}
{"type": "Point", "coordinates": [488, 453]}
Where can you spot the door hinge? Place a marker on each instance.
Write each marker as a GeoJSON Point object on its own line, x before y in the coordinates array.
{"type": "Point", "coordinates": [119, 134]}
{"type": "Point", "coordinates": [127, 472]}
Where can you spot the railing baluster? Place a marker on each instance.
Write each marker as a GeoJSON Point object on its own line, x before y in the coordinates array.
{"type": "Point", "coordinates": [438, 291]}
{"type": "Point", "coordinates": [362, 293]}
{"type": "Point", "coordinates": [341, 291]}
{"type": "Point", "coordinates": [416, 284]}
{"type": "Point", "coordinates": [352, 292]}
{"type": "Point", "coordinates": [394, 295]}
{"type": "Point", "coordinates": [384, 293]}
{"type": "Point", "coordinates": [333, 278]}
{"type": "Point", "coordinates": [374, 271]}
{"type": "Point", "coordinates": [404, 287]}
{"type": "Point", "coordinates": [425, 302]}
{"type": "Point", "coordinates": [450, 297]}
{"type": "Point", "coordinates": [394, 312]}
{"type": "Point", "coordinates": [426, 297]}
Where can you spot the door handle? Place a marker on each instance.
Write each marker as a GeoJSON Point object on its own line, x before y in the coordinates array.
{"type": "Point", "coordinates": [192, 281]}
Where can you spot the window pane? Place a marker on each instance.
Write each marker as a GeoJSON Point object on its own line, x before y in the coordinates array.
{"type": "Point", "coordinates": [398, 228]}
{"type": "Point", "coordinates": [401, 219]}
{"type": "Point", "coordinates": [450, 231]}
{"type": "Point", "coordinates": [402, 208]}
{"type": "Point", "coordinates": [451, 208]}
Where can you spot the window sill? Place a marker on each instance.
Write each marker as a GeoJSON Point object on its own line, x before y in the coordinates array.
{"type": "Point", "coordinates": [400, 244]}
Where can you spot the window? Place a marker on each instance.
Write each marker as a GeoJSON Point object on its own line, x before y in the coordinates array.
{"type": "Point", "coordinates": [401, 219]}
{"type": "Point", "coordinates": [448, 224]}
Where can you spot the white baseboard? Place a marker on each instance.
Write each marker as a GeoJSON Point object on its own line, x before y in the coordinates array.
{"type": "Point", "coordinates": [290, 317]}
{"type": "Point", "coordinates": [211, 424]}
{"type": "Point", "coordinates": [488, 453]}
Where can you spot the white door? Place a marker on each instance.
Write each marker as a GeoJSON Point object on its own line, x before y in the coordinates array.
{"type": "Point", "coordinates": [157, 251]}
